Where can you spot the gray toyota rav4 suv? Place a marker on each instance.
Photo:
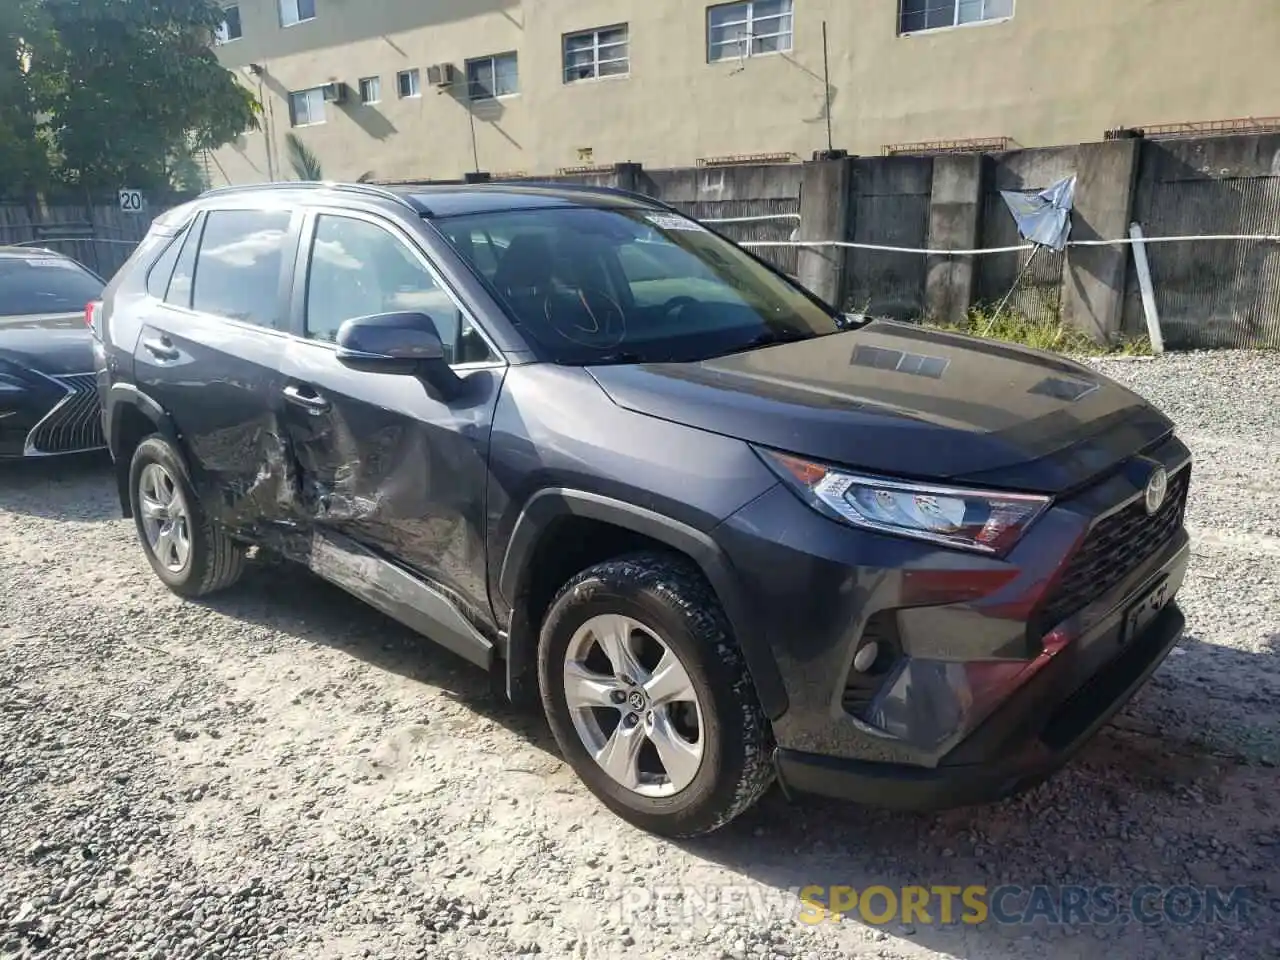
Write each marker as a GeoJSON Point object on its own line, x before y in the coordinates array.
{"type": "Point", "coordinates": [726, 534]}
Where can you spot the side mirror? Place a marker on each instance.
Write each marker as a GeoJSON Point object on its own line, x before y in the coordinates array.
{"type": "Point", "coordinates": [407, 344]}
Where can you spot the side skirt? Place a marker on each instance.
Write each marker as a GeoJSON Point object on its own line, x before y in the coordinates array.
{"type": "Point", "coordinates": [397, 593]}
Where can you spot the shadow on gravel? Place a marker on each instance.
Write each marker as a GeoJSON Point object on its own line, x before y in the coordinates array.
{"type": "Point", "coordinates": [74, 487]}
{"type": "Point", "coordinates": [1136, 808]}
{"type": "Point", "coordinates": [287, 596]}
{"type": "Point", "coordinates": [1140, 806]}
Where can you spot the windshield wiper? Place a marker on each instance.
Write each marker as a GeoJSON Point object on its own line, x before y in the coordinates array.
{"type": "Point", "coordinates": [622, 356]}
{"type": "Point", "coordinates": [771, 338]}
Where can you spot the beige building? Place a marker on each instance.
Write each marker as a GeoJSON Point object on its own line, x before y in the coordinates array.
{"type": "Point", "coordinates": [436, 88]}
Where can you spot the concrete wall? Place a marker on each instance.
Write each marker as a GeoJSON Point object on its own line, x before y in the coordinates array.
{"type": "Point", "coordinates": [1054, 73]}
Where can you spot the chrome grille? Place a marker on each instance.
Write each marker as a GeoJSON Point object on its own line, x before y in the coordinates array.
{"type": "Point", "coordinates": [75, 424]}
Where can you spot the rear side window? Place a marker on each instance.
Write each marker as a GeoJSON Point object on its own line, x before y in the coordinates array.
{"type": "Point", "coordinates": [179, 289]}
{"type": "Point", "coordinates": [162, 270]}
{"type": "Point", "coordinates": [45, 285]}
{"type": "Point", "coordinates": [237, 272]}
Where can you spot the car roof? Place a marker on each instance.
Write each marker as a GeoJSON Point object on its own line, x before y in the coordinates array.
{"type": "Point", "coordinates": [30, 253]}
{"type": "Point", "coordinates": [433, 200]}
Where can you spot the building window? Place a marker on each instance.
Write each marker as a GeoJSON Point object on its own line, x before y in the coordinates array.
{"type": "Point", "coordinates": [230, 28]}
{"type": "Point", "coordinates": [596, 53]}
{"type": "Point", "coordinates": [737, 30]}
{"type": "Point", "coordinates": [296, 11]}
{"type": "Point", "coordinates": [306, 107]}
{"type": "Point", "coordinates": [917, 15]}
{"type": "Point", "coordinates": [370, 89]}
{"type": "Point", "coordinates": [408, 83]}
{"type": "Point", "coordinates": [490, 77]}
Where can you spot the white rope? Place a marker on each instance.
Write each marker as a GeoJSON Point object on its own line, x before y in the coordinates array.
{"type": "Point", "coordinates": [1123, 241]}
{"type": "Point", "coordinates": [757, 219]}
{"type": "Point", "coordinates": [36, 243]}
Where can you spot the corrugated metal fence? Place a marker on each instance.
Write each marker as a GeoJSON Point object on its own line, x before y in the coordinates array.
{"type": "Point", "coordinates": [784, 227]}
{"type": "Point", "coordinates": [1215, 293]}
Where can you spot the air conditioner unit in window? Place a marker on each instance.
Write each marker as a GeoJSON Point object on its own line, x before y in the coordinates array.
{"type": "Point", "coordinates": [442, 74]}
{"type": "Point", "coordinates": [335, 91]}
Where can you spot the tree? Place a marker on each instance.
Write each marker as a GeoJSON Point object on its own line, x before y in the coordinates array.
{"type": "Point", "coordinates": [24, 159]}
{"type": "Point", "coordinates": [306, 165]}
{"type": "Point", "coordinates": [130, 89]}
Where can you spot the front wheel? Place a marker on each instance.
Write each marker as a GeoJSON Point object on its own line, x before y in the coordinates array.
{"type": "Point", "coordinates": [649, 699]}
{"type": "Point", "coordinates": [188, 553]}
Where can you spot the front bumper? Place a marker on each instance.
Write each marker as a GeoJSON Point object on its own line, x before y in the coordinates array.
{"type": "Point", "coordinates": [1046, 730]}
{"type": "Point", "coordinates": [988, 654]}
{"type": "Point", "coordinates": [58, 415]}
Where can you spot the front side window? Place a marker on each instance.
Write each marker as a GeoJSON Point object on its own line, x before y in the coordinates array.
{"type": "Point", "coordinates": [597, 285]}
{"type": "Point", "coordinates": [237, 271]}
{"type": "Point", "coordinates": [359, 269]}
{"type": "Point", "coordinates": [409, 83]}
{"type": "Point", "coordinates": [31, 285]}
{"type": "Point", "coordinates": [917, 15]}
{"type": "Point", "coordinates": [306, 107]}
{"type": "Point", "coordinates": [230, 28]}
{"type": "Point", "coordinates": [750, 29]}
{"type": "Point", "coordinates": [491, 77]}
{"type": "Point", "coordinates": [597, 53]}
{"type": "Point", "coordinates": [296, 11]}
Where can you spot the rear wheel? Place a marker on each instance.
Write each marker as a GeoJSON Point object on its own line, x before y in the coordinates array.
{"type": "Point", "coordinates": [188, 553]}
{"type": "Point", "coordinates": [649, 698]}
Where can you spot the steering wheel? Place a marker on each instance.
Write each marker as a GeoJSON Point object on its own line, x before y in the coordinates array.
{"type": "Point", "coordinates": [676, 304]}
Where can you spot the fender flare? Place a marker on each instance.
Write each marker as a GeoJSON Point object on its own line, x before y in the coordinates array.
{"type": "Point", "coordinates": [548, 505]}
{"type": "Point", "coordinates": [122, 396]}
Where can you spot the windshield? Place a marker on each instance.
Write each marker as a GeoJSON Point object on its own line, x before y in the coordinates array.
{"type": "Point", "coordinates": [45, 285]}
{"type": "Point", "coordinates": [624, 285]}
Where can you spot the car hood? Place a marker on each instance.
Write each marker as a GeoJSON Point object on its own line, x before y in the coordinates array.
{"type": "Point", "coordinates": [900, 400]}
{"type": "Point", "coordinates": [52, 344]}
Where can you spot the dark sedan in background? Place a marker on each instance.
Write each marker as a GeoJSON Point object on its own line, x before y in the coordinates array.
{"type": "Point", "coordinates": [48, 398]}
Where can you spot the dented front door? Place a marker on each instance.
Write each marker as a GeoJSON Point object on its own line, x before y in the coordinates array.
{"type": "Point", "coordinates": [380, 458]}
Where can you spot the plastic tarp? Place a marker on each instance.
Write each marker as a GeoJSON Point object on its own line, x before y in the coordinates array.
{"type": "Point", "coordinates": [1043, 217]}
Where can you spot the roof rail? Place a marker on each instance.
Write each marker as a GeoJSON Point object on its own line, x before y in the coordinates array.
{"type": "Point", "coordinates": [585, 188]}
{"type": "Point", "coordinates": [365, 188]}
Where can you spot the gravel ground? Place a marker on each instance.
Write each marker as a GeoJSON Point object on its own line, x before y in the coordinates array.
{"type": "Point", "coordinates": [282, 772]}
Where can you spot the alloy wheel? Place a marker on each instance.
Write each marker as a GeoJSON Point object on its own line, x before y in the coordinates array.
{"type": "Point", "coordinates": [165, 520]}
{"type": "Point", "coordinates": [633, 705]}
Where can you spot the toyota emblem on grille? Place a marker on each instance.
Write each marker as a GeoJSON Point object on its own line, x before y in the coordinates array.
{"type": "Point", "coordinates": [1157, 489]}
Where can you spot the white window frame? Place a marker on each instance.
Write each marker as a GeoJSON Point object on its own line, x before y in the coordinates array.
{"type": "Point", "coordinates": [291, 12]}
{"type": "Point", "coordinates": [492, 61]}
{"type": "Point", "coordinates": [955, 23]}
{"type": "Point", "coordinates": [414, 76]}
{"type": "Point", "coordinates": [600, 53]}
{"type": "Point", "coordinates": [748, 20]}
{"type": "Point", "coordinates": [223, 34]}
{"type": "Point", "coordinates": [309, 92]}
{"type": "Point", "coordinates": [370, 90]}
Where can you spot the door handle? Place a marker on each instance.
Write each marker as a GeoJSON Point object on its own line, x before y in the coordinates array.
{"type": "Point", "coordinates": [161, 349]}
{"type": "Point", "coordinates": [311, 402]}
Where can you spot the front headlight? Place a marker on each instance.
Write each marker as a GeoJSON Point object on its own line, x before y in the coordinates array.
{"type": "Point", "coordinates": [985, 521]}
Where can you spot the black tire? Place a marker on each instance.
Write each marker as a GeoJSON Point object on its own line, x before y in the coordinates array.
{"type": "Point", "coordinates": [669, 596]}
{"type": "Point", "coordinates": [215, 561]}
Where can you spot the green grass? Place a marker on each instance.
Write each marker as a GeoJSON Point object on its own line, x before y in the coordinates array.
{"type": "Point", "coordinates": [1051, 334]}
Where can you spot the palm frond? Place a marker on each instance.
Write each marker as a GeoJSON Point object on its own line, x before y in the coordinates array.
{"type": "Point", "coordinates": [306, 165]}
